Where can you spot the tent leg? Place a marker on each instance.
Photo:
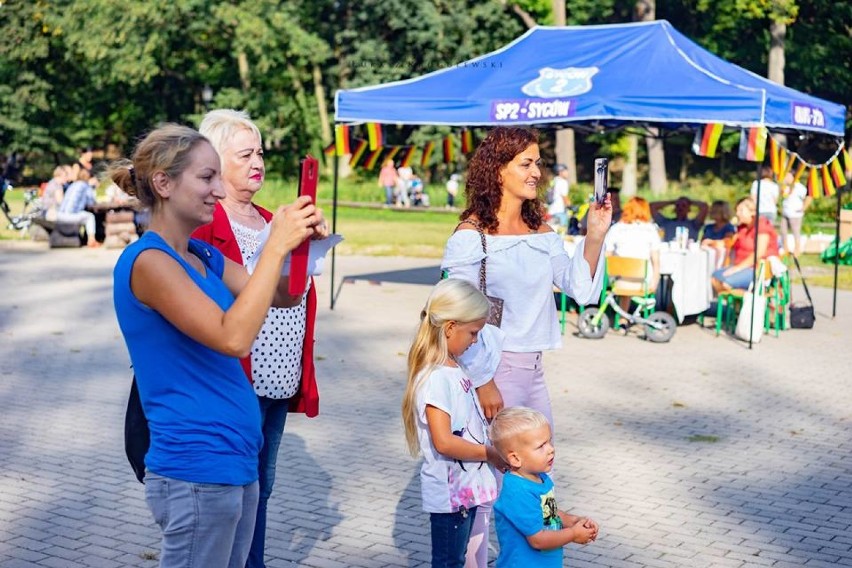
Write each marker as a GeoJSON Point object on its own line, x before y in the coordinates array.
{"type": "Point", "coordinates": [837, 247]}
{"type": "Point", "coordinates": [334, 220]}
{"type": "Point", "coordinates": [754, 267]}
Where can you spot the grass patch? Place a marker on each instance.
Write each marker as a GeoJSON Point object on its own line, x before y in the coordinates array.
{"type": "Point", "coordinates": [819, 273]}
{"type": "Point", "coordinates": [703, 438]}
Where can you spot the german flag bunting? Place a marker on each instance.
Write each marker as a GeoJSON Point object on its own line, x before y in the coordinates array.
{"type": "Point", "coordinates": [448, 149]}
{"type": "Point", "coordinates": [428, 148]}
{"type": "Point", "coordinates": [358, 153]}
{"type": "Point", "coordinates": [375, 135]}
{"type": "Point", "coordinates": [372, 158]}
{"type": "Point", "coordinates": [827, 183]}
{"type": "Point", "coordinates": [774, 156]}
{"type": "Point", "coordinates": [466, 141]}
{"type": "Point", "coordinates": [341, 139]}
{"type": "Point", "coordinates": [813, 183]}
{"type": "Point", "coordinates": [752, 144]}
{"type": "Point", "coordinates": [392, 152]}
{"type": "Point", "coordinates": [847, 162]}
{"type": "Point", "coordinates": [799, 171]}
{"type": "Point", "coordinates": [329, 150]}
{"type": "Point", "coordinates": [706, 140]}
{"type": "Point", "coordinates": [837, 173]}
{"type": "Point", "coordinates": [788, 166]}
{"type": "Point", "coordinates": [407, 156]}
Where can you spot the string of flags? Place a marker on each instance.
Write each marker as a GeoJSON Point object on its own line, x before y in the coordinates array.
{"type": "Point", "coordinates": [369, 152]}
{"type": "Point", "coordinates": [822, 179]}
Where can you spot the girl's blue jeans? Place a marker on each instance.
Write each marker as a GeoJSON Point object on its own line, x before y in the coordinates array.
{"type": "Point", "coordinates": [450, 534]}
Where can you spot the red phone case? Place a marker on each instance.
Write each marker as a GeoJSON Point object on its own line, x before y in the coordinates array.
{"type": "Point", "coordinates": [308, 176]}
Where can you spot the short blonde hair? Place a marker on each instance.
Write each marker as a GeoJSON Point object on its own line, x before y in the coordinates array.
{"type": "Point", "coordinates": [220, 125]}
{"type": "Point", "coordinates": [512, 422]}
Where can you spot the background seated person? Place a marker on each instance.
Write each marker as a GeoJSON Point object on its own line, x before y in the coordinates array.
{"type": "Point", "coordinates": [682, 208]}
{"type": "Point", "coordinates": [78, 196]}
{"type": "Point", "coordinates": [54, 191]}
{"type": "Point", "coordinates": [635, 236]}
{"type": "Point", "coordinates": [741, 271]}
{"type": "Point", "coordinates": [717, 235]}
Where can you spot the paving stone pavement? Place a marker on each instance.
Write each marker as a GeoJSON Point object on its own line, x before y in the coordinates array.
{"type": "Point", "coordinates": [694, 453]}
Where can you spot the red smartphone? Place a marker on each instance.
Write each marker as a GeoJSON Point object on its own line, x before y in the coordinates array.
{"type": "Point", "coordinates": [308, 177]}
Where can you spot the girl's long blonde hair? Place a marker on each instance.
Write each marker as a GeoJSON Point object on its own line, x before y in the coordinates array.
{"type": "Point", "coordinates": [451, 300]}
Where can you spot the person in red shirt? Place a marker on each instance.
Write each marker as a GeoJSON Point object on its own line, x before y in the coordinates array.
{"type": "Point", "coordinates": [740, 273]}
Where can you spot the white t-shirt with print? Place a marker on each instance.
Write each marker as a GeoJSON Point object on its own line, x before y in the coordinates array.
{"type": "Point", "coordinates": [560, 192]}
{"type": "Point", "coordinates": [794, 203]}
{"type": "Point", "coordinates": [633, 240]}
{"type": "Point", "coordinates": [276, 355]}
{"type": "Point", "coordinates": [447, 485]}
{"type": "Point", "coordinates": [769, 193]}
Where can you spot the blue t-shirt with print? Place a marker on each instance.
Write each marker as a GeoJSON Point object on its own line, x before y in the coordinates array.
{"type": "Point", "coordinates": [524, 508]}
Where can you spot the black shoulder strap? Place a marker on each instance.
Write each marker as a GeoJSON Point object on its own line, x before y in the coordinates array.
{"type": "Point", "coordinates": [802, 276]}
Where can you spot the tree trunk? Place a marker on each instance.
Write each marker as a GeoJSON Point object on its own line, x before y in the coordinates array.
{"type": "Point", "coordinates": [777, 34]}
{"type": "Point", "coordinates": [646, 11]}
{"type": "Point", "coordinates": [629, 177]}
{"type": "Point", "coordinates": [319, 93]}
{"type": "Point", "coordinates": [686, 161]}
{"type": "Point", "coordinates": [243, 67]}
{"type": "Point", "coordinates": [565, 149]}
{"type": "Point", "coordinates": [656, 162]}
{"type": "Point", "coordinates": [565, 153]}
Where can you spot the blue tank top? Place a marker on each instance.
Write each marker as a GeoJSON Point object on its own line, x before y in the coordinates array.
{"type": "Point", "coordinates": [202, 412]}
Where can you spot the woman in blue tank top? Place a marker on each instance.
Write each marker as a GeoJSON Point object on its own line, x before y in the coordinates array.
{"type": "Point", "coordinates": [187, 314]}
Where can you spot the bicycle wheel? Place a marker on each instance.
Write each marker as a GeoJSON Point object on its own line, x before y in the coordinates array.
{"type": "Point", "coordinates": [587, 326]}
{"type": "Point", "coordinates": [660, 328]}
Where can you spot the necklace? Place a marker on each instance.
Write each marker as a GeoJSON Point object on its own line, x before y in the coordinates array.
{"type": "Point", "coordinates": [252, 215]}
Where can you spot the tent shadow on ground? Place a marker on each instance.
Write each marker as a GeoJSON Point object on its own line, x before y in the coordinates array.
{"type": "Point", "coordinates": [411, 532]}
{"type": "Point", "coordinates": [305, 499]}
{"type": "Point", "coordinates": [426, 275]}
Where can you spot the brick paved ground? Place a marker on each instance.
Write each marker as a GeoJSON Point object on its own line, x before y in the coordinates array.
{"type": "Point", "coordinates": [694, 453]}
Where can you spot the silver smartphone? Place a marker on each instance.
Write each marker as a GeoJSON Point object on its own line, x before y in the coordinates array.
{"type": "Point", "coordinates": [601, 176]}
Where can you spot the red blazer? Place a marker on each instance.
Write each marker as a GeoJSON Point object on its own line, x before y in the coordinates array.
{"type": "Point", "coordinates": [219, 234]}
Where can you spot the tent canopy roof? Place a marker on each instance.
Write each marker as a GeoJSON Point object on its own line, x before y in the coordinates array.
{"type": "Point", "coordinates": [644, 73]}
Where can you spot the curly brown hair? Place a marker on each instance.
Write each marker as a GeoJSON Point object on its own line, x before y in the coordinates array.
{"type": "Point", "coordinates": [484, 189]}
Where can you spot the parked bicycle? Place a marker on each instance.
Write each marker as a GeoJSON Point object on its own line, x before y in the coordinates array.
{"type": "Point", "coordinates": [30, 212]}
{"type": "Point", "coordinates": [660, 327]}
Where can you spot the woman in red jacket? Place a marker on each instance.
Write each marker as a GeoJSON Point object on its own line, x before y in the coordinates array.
{"type": "Point", "coordinates": [281, 365]}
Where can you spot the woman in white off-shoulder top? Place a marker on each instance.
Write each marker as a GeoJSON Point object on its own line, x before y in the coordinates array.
{"type": "Point", "coordinates": [525, 259]}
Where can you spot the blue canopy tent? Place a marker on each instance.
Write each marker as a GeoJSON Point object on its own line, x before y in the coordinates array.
{"type": "Point", "coordinates": [594, 77]}
{"type": "Point", "coordinates": [600, 75]}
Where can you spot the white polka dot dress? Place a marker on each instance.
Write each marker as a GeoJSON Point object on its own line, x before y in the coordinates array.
{"type": "Point", "coordinates": [276, 356]}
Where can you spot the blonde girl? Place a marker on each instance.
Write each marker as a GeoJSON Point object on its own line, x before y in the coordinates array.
{"type": "Point", "coordinates": [444, 422]}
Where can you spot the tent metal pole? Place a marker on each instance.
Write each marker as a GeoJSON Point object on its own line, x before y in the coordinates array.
{"type": "Point", "coordinates": [754, 266]}
{"type": "Point", "coordinates": [336, 163]}
{"type": "Point", "coordinates": [837, 247]}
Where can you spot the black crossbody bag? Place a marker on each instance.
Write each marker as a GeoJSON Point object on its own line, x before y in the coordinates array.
{"type": "Point", "coordinates": [802, 313]}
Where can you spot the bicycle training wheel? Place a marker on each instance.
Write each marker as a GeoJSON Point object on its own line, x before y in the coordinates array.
{"type": "Point", "coordinates": [587, 326]}
{"type": "Point", "coordinates": [660, 328]}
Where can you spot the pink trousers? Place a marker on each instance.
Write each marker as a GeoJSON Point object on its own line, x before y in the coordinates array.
{"type": "Point", "coordinates": [520, 378]}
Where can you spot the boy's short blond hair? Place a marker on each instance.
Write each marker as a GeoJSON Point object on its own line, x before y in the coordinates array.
{"type": "Point", "coordinates": [511, 423]}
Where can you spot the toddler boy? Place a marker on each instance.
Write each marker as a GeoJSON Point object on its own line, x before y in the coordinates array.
{"type": "Point", "coordinates": [530, 528]}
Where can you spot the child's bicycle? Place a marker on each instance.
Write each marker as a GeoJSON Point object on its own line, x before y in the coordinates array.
{"type": "Point", "coordinates": [31, 211]}
{"type": "Point", "coordinates": [660, 327]}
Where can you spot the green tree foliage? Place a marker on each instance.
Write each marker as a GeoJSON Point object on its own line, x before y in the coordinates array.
{"type": "Point", "coordinates": [81, 72]}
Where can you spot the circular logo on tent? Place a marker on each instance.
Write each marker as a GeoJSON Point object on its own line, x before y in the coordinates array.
{"type": "Point", "coordinates": [561, 82]}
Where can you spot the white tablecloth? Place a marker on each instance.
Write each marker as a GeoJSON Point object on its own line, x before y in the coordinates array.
{"type": "Point", "coordinates": [690, 271]}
